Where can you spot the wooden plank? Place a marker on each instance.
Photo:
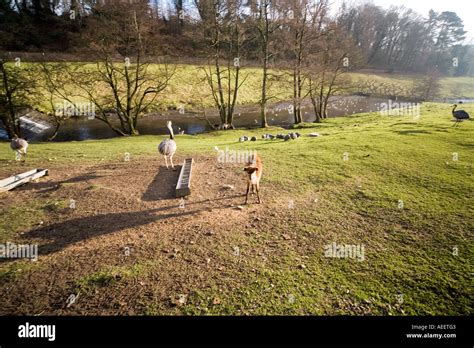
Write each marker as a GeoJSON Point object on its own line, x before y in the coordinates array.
{"type": "Point", "coordinates": [21, 179]}
{"type": "Point", "coordinates": [16, 177]}
{"type": "Point", "coordinates": [183, 186]}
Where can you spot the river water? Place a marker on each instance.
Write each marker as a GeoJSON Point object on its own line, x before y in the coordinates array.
{"type": "Point", "coordinates": [280, 114]}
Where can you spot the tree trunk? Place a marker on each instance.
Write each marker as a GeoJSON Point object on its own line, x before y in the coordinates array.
{"type": "Point", "coordinates": [263, 101]}
{"type": "Point", "coordinates": [9, 128]}
{"type": "Point", "coordinates": [55, 132]}
{"type": "Point", "coordinates": [264, 35]}
{"type": "Point", "coordinates": [316, 111]}
{"type": "Point", "coordinates": [263, 116]}
{"type": "Point", "coordinates": [133, 126]}
{"type": "Point", "coordinates": [134, 131]}
{"type": "Point", "coordinates": [12, 124]}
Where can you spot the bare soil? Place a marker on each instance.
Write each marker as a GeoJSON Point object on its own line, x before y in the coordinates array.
{"type": "Point", "coordinates": [127, 219]}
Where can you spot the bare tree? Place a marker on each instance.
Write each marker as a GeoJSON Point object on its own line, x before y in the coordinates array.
{"type": "Point", "coordinates": [17, 86]}
{"type": "Point", "coordinates": [226, 37]}
{"type": "Point", "coordinates": [204, 8]}
{"type": "Point", "coordinates": [130, 90]}
{"type": "Point", "coordinates": [128, 87]}
{"type": "Point", "coordinates": [428, 86]}
{"type": "Point", "coordinates": [179, 8]}
{"type": "Point", "coordinates": [55, 87]}
{"type": "Point", "coordinates": [330, 60]}
{"type": "Point", "coordinates": [267, 25]}
{"type": "Point", "coordinates": [304, 27]}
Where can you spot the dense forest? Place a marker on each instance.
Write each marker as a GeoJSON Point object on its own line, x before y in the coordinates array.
{"type": "Point", "coordinates": [394, 39]}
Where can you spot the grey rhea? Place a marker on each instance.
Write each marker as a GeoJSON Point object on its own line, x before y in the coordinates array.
{"type": "Point", "coordinates": [20, 146]}
{"type": "Point", "coordinates": [168, 146]}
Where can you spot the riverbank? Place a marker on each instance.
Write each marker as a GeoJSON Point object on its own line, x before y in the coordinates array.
{"type": "Point", "coordinates": [395, 187]}
{"type": "Point", "coordinates": [188, 88]}
{"type": "Point", "coordinates": [279, 114]}
{"type": "Point", "coordinates": [187, 97]}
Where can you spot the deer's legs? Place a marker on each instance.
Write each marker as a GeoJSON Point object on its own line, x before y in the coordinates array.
{"type": "Point", "coordinates": [247, 195]}
{"type": "Point", "coordinates": [258, 195]}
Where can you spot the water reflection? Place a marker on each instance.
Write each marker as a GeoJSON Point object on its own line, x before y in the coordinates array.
{"type": "Point", "coordinates": [246, 116]}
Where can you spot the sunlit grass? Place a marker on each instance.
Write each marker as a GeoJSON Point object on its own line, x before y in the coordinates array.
{"type": "Point", "coordinates": [422, 160]}
{"type": "Point", "coordinates": [188, 87]}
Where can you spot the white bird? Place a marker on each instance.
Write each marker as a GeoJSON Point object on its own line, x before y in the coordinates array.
{"type": "Point", "coordinates": [168, 146]}
{"type": "Point", "coordinates": [19, 146]}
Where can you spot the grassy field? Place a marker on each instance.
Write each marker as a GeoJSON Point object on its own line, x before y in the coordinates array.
{"type": "Point", "coordinates": [188, 87]}
{"type": "Point", "coordinates": [400, 186]}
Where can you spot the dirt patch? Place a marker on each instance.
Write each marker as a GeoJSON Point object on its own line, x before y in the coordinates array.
{"type": "Point", "coordinates": [124, 244]}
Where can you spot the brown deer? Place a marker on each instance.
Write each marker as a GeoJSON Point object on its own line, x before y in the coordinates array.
{"type": "Point", "coordinates": [254, 169]}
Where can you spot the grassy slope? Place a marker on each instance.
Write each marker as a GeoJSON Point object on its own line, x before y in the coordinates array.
{"type": "Point", "coordinates": [188, 87]}
{"type": "Point", "coordinates": [408, 251]}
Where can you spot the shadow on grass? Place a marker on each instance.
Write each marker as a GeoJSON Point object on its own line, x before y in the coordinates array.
{"type": "Point", "coordinates": [412, 132]}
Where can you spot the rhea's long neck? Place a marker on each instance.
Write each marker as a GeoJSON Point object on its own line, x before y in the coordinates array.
{"type": "Point", "coordinates": [170, 130]}
{"type": "Point", "coordinates": [454, 108]}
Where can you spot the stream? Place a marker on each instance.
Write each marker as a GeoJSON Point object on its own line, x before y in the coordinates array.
{"type": "Point", "coordinates": [279, 114]}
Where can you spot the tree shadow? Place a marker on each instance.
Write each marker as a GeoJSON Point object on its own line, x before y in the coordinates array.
{"type": "Point", "coordinates": [412, 132]}
{"type": "Point", "coordinates": [403, 124]}
{"type": "Point", "coordinates": [465, 145]}
{"type": "Point", "coordinates": [54, 185]}
{"type": "Point", "coordinates": [62, 234]}
{"type": "Point", "coordinates": [163, 184]}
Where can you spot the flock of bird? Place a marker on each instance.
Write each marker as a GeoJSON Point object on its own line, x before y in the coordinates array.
{"type": "Point", "coordinates": [286, 137]}
{"type": "Point", "coordinates": [167, 147]}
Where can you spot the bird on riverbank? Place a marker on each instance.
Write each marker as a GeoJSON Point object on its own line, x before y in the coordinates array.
{"type": "Point", "coordinates": [459, 115]}
{"type": "Point", "coordinates": [268, 136]}
{"type": "Point", "coordinates": [20, 146]}
{"type": "Point", "coordinates": [168, 146]}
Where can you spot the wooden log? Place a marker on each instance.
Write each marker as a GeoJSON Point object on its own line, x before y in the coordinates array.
{"type": "Point", "coordinates": [21, 179]}
{"type": "Point", "coordinates": [183, 187]}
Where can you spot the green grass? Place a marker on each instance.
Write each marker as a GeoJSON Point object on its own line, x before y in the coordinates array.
{"type": "Point", "coordinates": [456, 87]}
{"type": "Point", "coordinates": [17, 218]}
{"type": "Point", "coordinates": [404, 85]}
{"type": "Point", "coordinates": [409, 251]}
{"type": "Point", "coordinates": [188, 87]}
{"type": "Point", "coordinates": [17, 268]}
{"type": "Point", "coordinates": [110, 275]}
